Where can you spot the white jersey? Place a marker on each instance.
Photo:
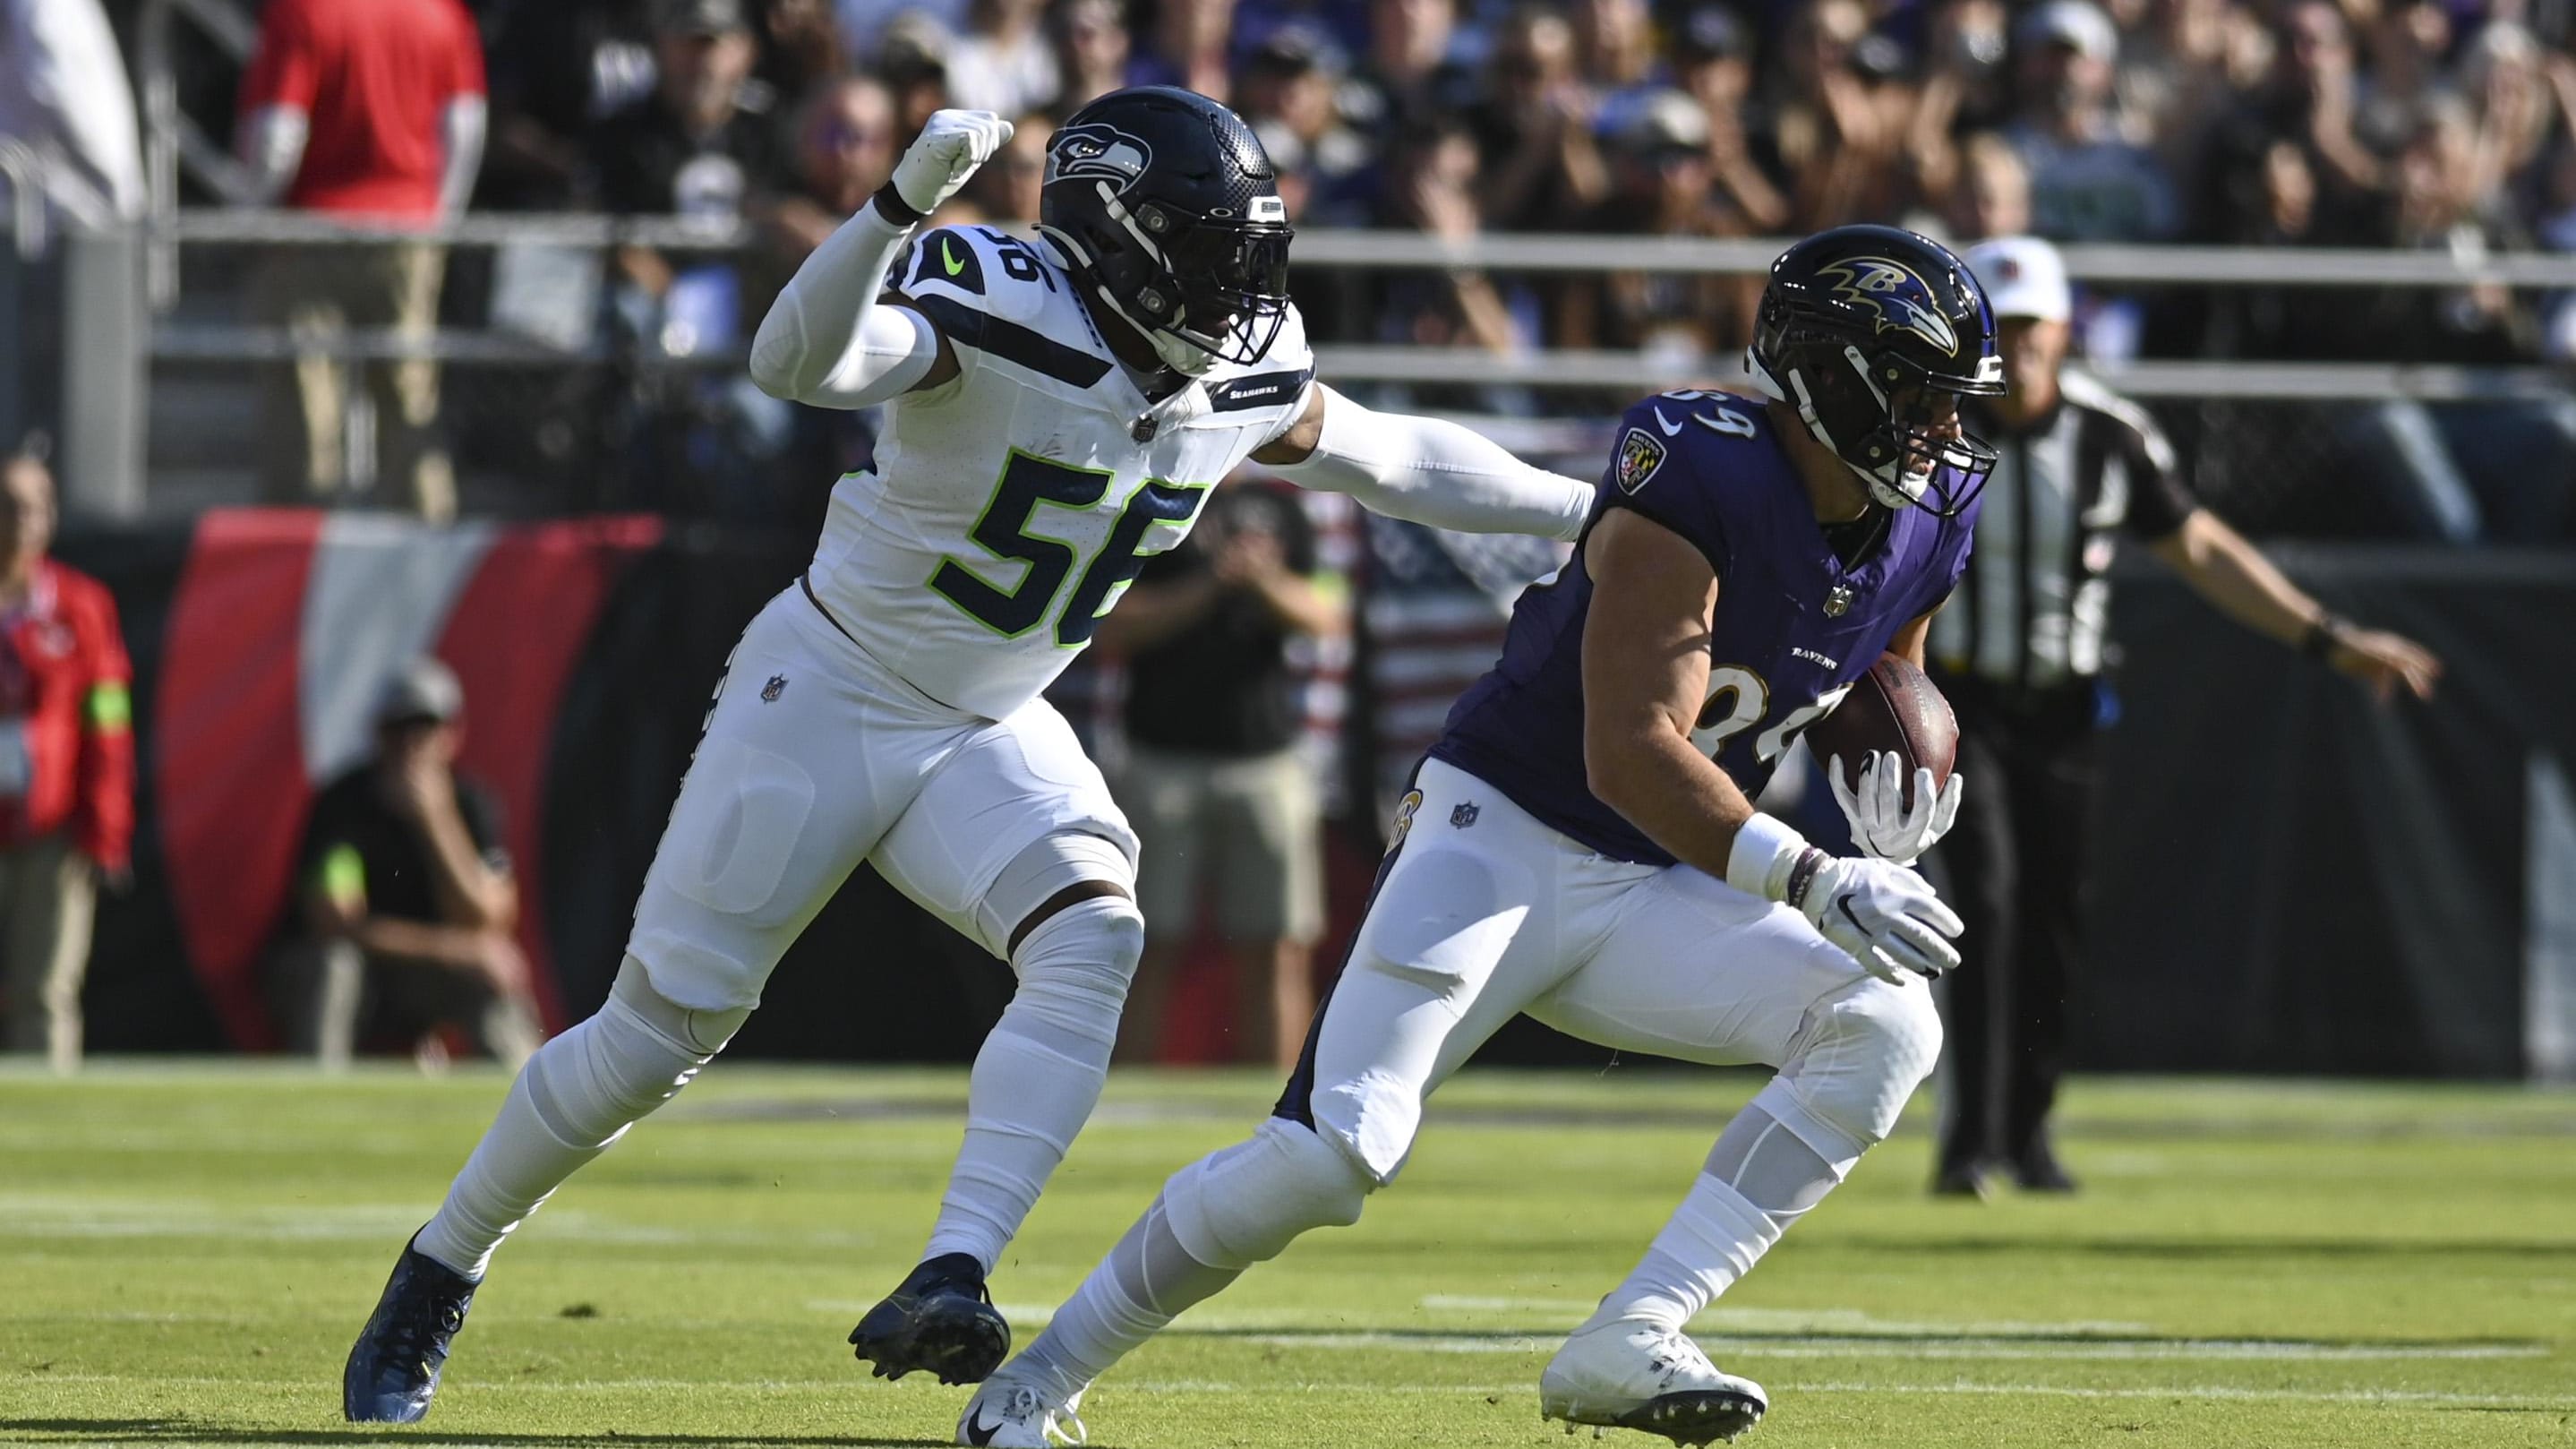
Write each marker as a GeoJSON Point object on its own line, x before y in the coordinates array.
{"type": "Point", "coordinates": [1010, 507]}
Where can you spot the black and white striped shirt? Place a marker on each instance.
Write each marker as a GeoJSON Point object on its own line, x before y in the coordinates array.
{"type": "Point", "coordinates": [2031, 610]}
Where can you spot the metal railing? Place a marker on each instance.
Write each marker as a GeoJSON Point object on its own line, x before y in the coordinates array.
{"type": "Point", "coordinates": [1539, 369]}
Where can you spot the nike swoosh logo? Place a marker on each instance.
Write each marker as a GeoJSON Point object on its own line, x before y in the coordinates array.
{"type": "Point", "coordinates": [1668, 425]}
{"type": "Point", "coordinates": [979, 1432]}
{"type": "Point", "coordinates": [949, 259]}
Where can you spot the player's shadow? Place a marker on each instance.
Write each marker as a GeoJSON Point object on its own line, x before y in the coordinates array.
{"type": "Point", "coordinates": [185, 1431]}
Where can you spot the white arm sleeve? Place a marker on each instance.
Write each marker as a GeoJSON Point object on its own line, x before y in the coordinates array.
{"type": "Point", "coordinates": [461, 125]}
{"type": "Point", "coordinates": [827, 342]}
{"type": "Point", "coordinates": [1424, 470]}
{"type": "Point", "coordinates": [272, 147]}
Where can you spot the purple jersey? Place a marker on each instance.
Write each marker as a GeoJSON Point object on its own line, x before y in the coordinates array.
{"type": "Point", "coordinates": [1794, 628]}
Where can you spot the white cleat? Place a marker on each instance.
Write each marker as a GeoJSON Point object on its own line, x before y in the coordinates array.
{"type": "Point", "coordinates": [1011, 1412]}
{"type": "Point", "coordinates": [1636, 1376]}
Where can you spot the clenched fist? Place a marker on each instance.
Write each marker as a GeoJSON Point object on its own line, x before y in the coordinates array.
{"type": "Point", "coordinates": [946, 152]}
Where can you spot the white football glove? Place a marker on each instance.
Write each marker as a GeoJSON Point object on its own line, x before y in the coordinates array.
{"type": "Point", "coordinates": [1880, 822]}
{"type": "Point", "coordinates": [951, 145]}
{"type": "Point", "coordinates": [1885, 917]}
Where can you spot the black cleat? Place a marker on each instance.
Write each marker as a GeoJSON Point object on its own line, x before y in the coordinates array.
{"type": "Point", "coordinates": [1966, 1179]}
{"type": "Point", "coordinates": [393, 1369]}
{"type": "Point", "coordinates": [942, 1320]}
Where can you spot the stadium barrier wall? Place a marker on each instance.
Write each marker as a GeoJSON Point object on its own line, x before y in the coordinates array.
{"type": "Point", "coordinates": [2287, 879]}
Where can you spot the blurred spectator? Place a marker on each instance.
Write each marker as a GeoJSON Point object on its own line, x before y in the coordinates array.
{"type": "Point", "coordinates": [1003, 63]}
{"type": "Point", "coordinates": [1191, 48]}
{"type": "Point", "coordinates": [370, 111]}
{"type": "Point", "coordinates": [1614, 42]}
{"type": "Point", "coordinates": [1093, 50]}
{"type": "Point", "coordinates": [2517, 111]}
{"type": "Point", "coordinates": [1223, 801]}
{"type": "Point", "coordinates": [1410, 68]}
{"type": "Point", "coordinates": [2311, 96]}
{"type": "Point", "coordinates": [800, 52]}
{"type": "Point", "coordinates": [1006, 189]}
{"type": "Point", "coordinates": [1693, 322]}
{"type": "Point", "coordinates": [66, 769]}
{"type": "Point", "coordinates": [912, 59]}
{"type": "Point", "coordinates": [1288, 91]}
{"type": "Point", "coordinates": [700, 146]}
{"type": "Point", "coordinates": [865, 23]}
{"type": "Point", "coordinates": [1542, 170]}
{"type": "Point", "coordinates": [2482, 468]}
{"type": "Point", "coordinates": [845, 150]}
{"type": "Point", "coordinates": [406, 907]}
{"type": "Point", "coordinates": [1991, 195]}
{"type": "Point", "coordinates": [2173, 85]}
{"type": "Point", "coordinates": [2406, 43]}
{"type": "Point", "coordinates": [64, 96]}
{"type": "Point", "coordinates": [1713, 63]}
{"type": "Point", "coordinates": [558, 67]}
{"type": "Point", "coordinates": [1433, 181]}
{"type": "Point", "coordinates": [2086, 182]}
{"type": "Point", "coordinates": [1840, 117]}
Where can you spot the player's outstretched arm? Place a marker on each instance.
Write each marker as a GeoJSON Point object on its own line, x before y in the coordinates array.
{"type": "Point", "coordinates": [826, 341]}
{"type": "Point", "coordinates": [1645, 674]}
{"type": "Point", "coordinates": [1423, 470]}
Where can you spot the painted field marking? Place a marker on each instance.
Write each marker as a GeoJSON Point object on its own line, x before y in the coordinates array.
{"type": "Point", "coordinates": [2395, 1398]}
{"type": "Point", "coordinates": [1963, 1346]}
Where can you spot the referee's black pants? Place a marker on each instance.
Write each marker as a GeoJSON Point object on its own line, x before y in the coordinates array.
{"type": "Point", "coordinates": [2014, 867]}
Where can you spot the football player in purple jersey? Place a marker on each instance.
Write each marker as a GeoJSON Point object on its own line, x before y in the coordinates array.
{"type": "Point", "coordinates": [1581, 845]}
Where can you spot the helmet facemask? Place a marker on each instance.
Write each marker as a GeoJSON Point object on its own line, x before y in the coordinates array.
{"type": "Point", "coordinates": [1224, 292]}
{"type": "Point", "coordinates": [1894, 424]}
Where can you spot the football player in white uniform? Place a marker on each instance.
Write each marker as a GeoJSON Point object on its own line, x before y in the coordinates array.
{"type": "Point", "coordinates": [1057, 412]}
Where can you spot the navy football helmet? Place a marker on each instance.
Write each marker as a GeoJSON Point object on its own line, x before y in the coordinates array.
{"type": "Point", "coordinates": [1874, 334]}
{"type": "Point", "coordinates": [1166, 208]}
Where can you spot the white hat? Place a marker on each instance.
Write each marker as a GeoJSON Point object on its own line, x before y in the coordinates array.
{"type": "Point", "coordinates": [2023, 277]}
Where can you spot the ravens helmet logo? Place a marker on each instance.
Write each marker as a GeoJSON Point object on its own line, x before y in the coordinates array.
{"type": "Point", "coordinates": [1902, 300]}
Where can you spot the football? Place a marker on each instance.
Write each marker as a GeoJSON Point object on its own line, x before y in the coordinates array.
{"type": "Point", "coordinates": [1893, 707]}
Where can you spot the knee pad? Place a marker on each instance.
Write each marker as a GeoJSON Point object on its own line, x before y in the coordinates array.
{"type": "Point", "coordinates": [1074, 969]}
{"type": "Point", "coordinates": [1246, 1204]}
{"type": "Point", "coordinates": [1038, 874]}
{"type": "Point", "coordinates": [588, 1085]}
{"type": "Point", "coordinates": [1859, 1057]}
{"type": "Point", "coordinates": [686, 1028]}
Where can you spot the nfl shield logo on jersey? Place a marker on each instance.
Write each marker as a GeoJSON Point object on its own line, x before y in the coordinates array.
{"type": "Point", "coordinates": [1640, 454]}
{"type": "Point", "coordinates": [1464, 815]}
{"type": "Point", "coordinates": [776, 686]}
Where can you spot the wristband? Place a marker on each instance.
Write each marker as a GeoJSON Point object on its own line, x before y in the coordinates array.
{"type": "Point", "coordinates": [1765, 858]}
{"type": "Point", "coordinates": [891, 205]}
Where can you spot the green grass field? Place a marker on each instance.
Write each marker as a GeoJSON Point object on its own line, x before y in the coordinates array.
{"type": "Point", "coordinates": [186, 1251]}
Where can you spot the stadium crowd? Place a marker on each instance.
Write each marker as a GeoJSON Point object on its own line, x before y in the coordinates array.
{"type": "Point", "coordinates": [2378, 123]}
{"type": "Point", "coordinates": [2413, 124]}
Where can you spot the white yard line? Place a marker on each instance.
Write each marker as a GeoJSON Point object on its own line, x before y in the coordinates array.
{"type": "Point", "coordinates": [1824, 1346]}
{"type": "Point", "coordinates": [2396, 1398]}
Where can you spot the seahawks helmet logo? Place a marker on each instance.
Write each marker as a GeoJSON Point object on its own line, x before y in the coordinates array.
{"type": "Point", "coordinates": [1097, 151]}
{"type": "Point", "coordinates": [1901, 299]}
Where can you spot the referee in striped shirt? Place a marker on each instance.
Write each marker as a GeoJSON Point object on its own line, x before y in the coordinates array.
{"type": "Point", "coordinates": [2018, 651]}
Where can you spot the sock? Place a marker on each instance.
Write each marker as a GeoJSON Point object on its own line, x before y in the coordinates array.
{"type": "Point", "coordinates": [1039, 1073]}
{"type": "Point", "coordinates": [1144, 1283]}
{"type": "Point", "coordinates": [576, 1095]}
{"type": "Point", "coordinates": [1759, 1179]}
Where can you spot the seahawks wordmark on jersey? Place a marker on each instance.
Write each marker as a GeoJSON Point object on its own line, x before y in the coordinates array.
{"type": "Point", "coordinates": [1011, 507]}
{"type": "Point", "coordinates": [1795, 626]}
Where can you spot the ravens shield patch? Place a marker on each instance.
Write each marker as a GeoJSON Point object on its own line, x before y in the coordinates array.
{"type": "Point", "coordinates": [1640, 454]}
